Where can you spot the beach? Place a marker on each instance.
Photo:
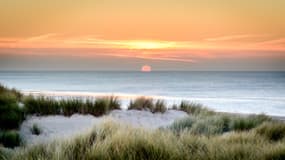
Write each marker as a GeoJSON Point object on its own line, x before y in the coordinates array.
{"type": "Point", "coordinates": [58, 126]}
{"type": "Point", "coordinates": [91, 126]}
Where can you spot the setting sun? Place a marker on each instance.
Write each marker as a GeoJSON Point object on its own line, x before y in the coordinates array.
{"type": "Point", "coordinates": [146, 68]}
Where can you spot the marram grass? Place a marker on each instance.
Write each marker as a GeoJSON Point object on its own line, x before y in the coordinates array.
{"type": "Point", "coordinates": [148, 104]}
{"type": "Point", "coordinates": [204, 135]}
{"type": "Point", "coordinates": [114, 141]}
{"type": "Point", "coordinates": [49, 106]}
{"type": "Point", "coordinates": [220, 123]}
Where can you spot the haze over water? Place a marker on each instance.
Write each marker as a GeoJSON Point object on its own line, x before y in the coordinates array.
{"type": "Point", "coordinates": [241, 92]}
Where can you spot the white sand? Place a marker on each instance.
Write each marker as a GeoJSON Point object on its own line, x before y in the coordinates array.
{"type": "Point", "coordinates": [58, 127]}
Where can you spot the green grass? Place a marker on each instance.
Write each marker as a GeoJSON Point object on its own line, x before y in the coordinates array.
{"type": "Point", "coordinates": [160, 106]}
{"type": "Point", "coordinates": [113, 141]}
{"type": "Point", "coordinates": [35, 129]}
{"type": "Point", "coordinates": [49, 106]}
{"type": "Point", "coordinates": [11, 115]}
{"type": "Point", "coordinates": [148, 104]}
{"type": "Point", "coordinates": [10, 138]}
{"type": "Point", "coordinates": [274, 131]}
{"type": "Point", "coordinates": [217, 123]}
{"type": "Point", "coordinates": [192, 108]}
{"type": "Point", "coordinates": [5, 90]}
{"type": "Point", "coordinates": [41, 105]}
{"type": "Point", "coordinates": [5, 153]}
{"type": "Point", "coordinates": [240, 123]}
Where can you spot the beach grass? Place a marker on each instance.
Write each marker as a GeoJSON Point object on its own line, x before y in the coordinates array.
{"type": "Point", "coordinates": [11, 115]}
{"type": "Point", "coordinates": [10, 138]}
{"type": "Point", "coordinates": [218, 123]}
{"type": "Point", "coordinates": [41, 105]}
{"type": "Point", "coordinates": [5, 90]}
{"type": "Point", "coordinates": [202, 135]}
{"type": "Point", "coordinates": [148, 104]}
{"type": "Point", "coordinates": [273, 131]}
{"type": "Point", "coordinates": [241, 123]}
{"type": "Point", "coordinates": [49, 106]}
{"type": "Point", "coordinates": [192, 108]}
{"type": "Point", "coordinates": [35, 129]}
{"type": "Point", "coordinates": [114, 141]}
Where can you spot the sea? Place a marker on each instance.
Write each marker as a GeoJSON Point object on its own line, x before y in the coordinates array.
{"type": "Point", "coordinates": [237, 92]}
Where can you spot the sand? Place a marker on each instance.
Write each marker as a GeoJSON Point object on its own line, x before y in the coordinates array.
{"type": "Point", "coordinates": [60, 127]}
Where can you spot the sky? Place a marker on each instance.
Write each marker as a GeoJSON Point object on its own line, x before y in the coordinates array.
{"type": "Point", "coordinates": [190, 35]}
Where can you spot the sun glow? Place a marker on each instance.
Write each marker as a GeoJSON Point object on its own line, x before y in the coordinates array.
{"type": "Point", "coordinates": [148, 44]}
{"type": "Point", "coordinates": [146, 68]}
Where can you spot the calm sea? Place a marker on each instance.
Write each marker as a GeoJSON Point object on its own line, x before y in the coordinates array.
{"type": "Point", "coordinates": [242, 92]}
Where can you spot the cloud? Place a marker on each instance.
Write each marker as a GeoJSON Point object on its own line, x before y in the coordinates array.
{"type": "Point", "coordinates": [178, 51]}
{"type": "Point", "coordinates": [41, 37]}
{"type": "Point", "coordinates": [152, 57]}
{"type": "Point", "coordinates": [236, 37]}
{"type": "Point", "coordinates": [274, 41]}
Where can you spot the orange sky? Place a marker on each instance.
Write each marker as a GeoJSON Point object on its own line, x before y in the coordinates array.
{"type": "Point", "coordinates": [166, 34]}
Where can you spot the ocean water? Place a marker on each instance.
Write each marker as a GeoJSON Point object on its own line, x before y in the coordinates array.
{"type": "Point", "coordinates": [241, 92]}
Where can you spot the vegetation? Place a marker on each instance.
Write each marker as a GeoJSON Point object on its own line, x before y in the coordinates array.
{"type": "Point", "coordinates": [272, 131]}
{"type": "Point", "coordinates": [217, 123]}
{"type": "Point", "coordinates": [148, 104]}
{"type": "Point", "coordinates": [160, 106]}
{"type": "Point", "coordinates": [111, 141]}
{"type": "Point", "coordinates": [203, 135]}
{"type": "Point", "coordinates": [240, 123]}
{"type": "Point", "coordinates": [35, 129]}
{"type": "Point", "coordinates": [192, 108]}
{"type": "Point", "coordinates": [11, 116]}
{"type": "Point", "coordinates": [48, 106]}
{"type": "Point", "coordinates": [41, 105]}
{"type": "Point", "coordinates": [13, 91]}
{"type": "Point", "coordinates": [10, 138]}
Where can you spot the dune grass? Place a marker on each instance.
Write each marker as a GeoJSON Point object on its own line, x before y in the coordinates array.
{"type": "Point", "coordinates": [41, 105]}
{"type": "Point", "coordinates": [273, 131]}
{"type": "Point", "coordinates": [113, 141]}
{"type": "Point", "coordinates": [192, 108]}
{"type": "Point", "coordinates": [35, 129]}
{"type": "Point", "coordinates": [11, 116]}
{"type": "Point", "coordinates": [217, 123]}
{"type": "Point", "coordinates": [203, 135]}
{"type": "Point", "coordinates": [241, 123]}
{"type": "Point", "coordinates": [10, 138]}
{"type": "Point", "coordinates": [148, 104]}
{"type": "Point", "coordinates": [49, 106]}
{"type": "Point", "coordinates": [5, 90]}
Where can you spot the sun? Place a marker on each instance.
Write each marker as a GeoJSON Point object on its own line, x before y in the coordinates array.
{"type": "Point", "coordinates": [146, 68]}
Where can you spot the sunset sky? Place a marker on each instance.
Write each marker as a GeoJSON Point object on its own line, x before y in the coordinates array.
{"type": "Point", "coordinates": [128, 34]}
